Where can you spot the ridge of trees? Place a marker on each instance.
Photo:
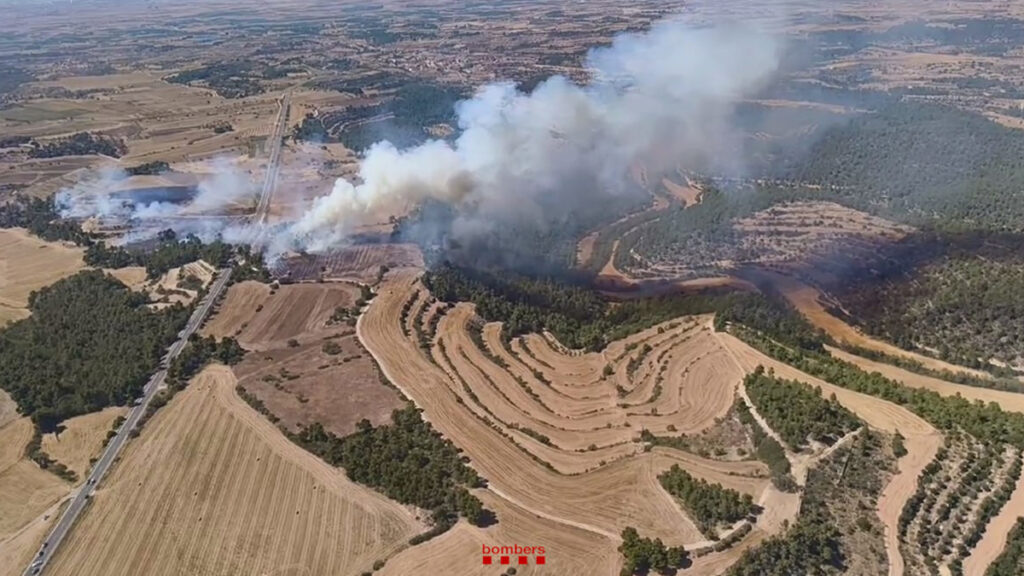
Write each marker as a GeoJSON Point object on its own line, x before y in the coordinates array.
{"type": "Point", "coordinates": [767, 449]}
{"type": "Point", "coordinates": [796, 411]}
{"type": "Point", "coordinates": [645, 554]}
{"type": "Point", "coordinates": [79, 144]}
{"type": "Point", "coordinates": [170, 252]}
{"type": "Point", "coordinates": [89, 343]}
{"type": "Point", "coordinates": [408, 461]}
{"type": "Point", "coordinates": [40, 218]}
{"type": "Point", "coordinates": [710, 505]}
{"type": "Point", "coordinates": [148, 168]}
{"type": "Point", "coordinates": [987, 422]}
{"type": "Point", "coordinates": [580, 318]}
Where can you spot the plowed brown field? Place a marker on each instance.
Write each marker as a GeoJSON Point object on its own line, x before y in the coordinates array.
{"type": "Point", "coordinates": [211, 487]}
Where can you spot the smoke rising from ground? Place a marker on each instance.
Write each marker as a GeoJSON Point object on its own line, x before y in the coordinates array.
{"type": "Point", "coordinates": [534, 160]}
{"type": "Point", "coordinates": [658, 98]}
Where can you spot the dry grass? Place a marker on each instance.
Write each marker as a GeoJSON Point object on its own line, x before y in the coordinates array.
{"type": "Point", "coordinates": [26, 491]}
{"type": "Point", "coordinates": [211, 487]}
{"type": "Point", "coordinates": [82, 438]}
{"type": "Point", "coordinates": [28, 263]}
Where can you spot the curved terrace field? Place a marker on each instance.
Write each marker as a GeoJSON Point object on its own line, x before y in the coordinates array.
{"type": "Point", "coordinates": [557, 432]}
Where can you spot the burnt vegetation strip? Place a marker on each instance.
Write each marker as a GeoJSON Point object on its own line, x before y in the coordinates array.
{"type": "Point", "coordinates": [409, 462]}
{"type": "Point", "coordinates": [580, 317]}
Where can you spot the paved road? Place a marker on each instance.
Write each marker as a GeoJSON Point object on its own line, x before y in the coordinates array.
{"type": "Point", "coordinates": [80, 499]}
{"type": "Point", "coordinates": [274, 163]}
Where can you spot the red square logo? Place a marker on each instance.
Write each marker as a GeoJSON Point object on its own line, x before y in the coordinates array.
{"type": "Point", "coordinates": [504, 559]}
{"type": "Point", "coordinates": [523, 560]}
{"type": "Point", "coordinates": [487, 560]}
{"type": "Point", "coordinates": [540, 559]}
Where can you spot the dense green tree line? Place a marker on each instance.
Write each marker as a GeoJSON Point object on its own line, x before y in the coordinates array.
{"type": "Point", "coordinates": [796, 411]}
{"type": "Point", "coordinates": [198, 353]}
{"type": "Point", "coordinates": [408, 461]}
{"type": "Point", "coordinates": [581, 318]}
{"type": "Point", "coordinates": [89, 343]}
{"type": "Point", "coordinates": [40, 217]}
{"type": "Point", "coordinates": [80, 144]}
{"type": "Point", "coordinates": [170, 252]}
{"type": "Point", "coordinates": [767, 450]}
{"type": "Point", "coordinates": [710, 505]}
{"type": "Point", "coordinates": [645, 554]}
{"type": "Point", "coordinates": [148, 168]}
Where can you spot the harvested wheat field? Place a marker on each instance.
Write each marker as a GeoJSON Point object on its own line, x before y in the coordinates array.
{"type": "Point", "coordinates": [922, 440]}
{"type": "Point", "coordinates": [568, 550]}
{"type": "Point", "coordinates": [26, 492]}
{"type": "Point", "coordinates": [30, 498]}
{"type": "Point", "coordinates": [28, 263]}
{"type": "Point", "coordinates": [261, 317]}
{"type": "Point", "coordinates": [1011, 401]}
{"type": "Point", "coordinates": [211, 487]}
{"type": "Point", "coordinates": [553, 434]}
{"type": "Point", "coordinates": [82, 438]}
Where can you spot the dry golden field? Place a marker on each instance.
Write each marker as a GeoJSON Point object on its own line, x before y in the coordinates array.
{"type": "Point", "coordinates": [81, 438]}
{"type": "Point", "coordinates": [28, 263]}
{"type": "Point", "coordinates": [211, 487]}
{"type": "Point", "coordinates": [30, 497]}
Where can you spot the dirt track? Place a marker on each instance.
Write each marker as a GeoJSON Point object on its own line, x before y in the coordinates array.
{"type": "Point", "coordinates": [211, 487]}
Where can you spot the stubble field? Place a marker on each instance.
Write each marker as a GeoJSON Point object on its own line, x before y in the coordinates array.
{"type": "Point", "coordinates": [211, 487]}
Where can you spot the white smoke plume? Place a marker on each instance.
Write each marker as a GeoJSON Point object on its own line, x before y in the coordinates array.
{"type": "Point", "coordinates": [658, 98]}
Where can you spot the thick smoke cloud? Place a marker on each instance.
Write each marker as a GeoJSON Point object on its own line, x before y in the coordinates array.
{"type": "Point", "coordinates": [534, 160]}
{"type": "Point", "coordinates": [658, 99]}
